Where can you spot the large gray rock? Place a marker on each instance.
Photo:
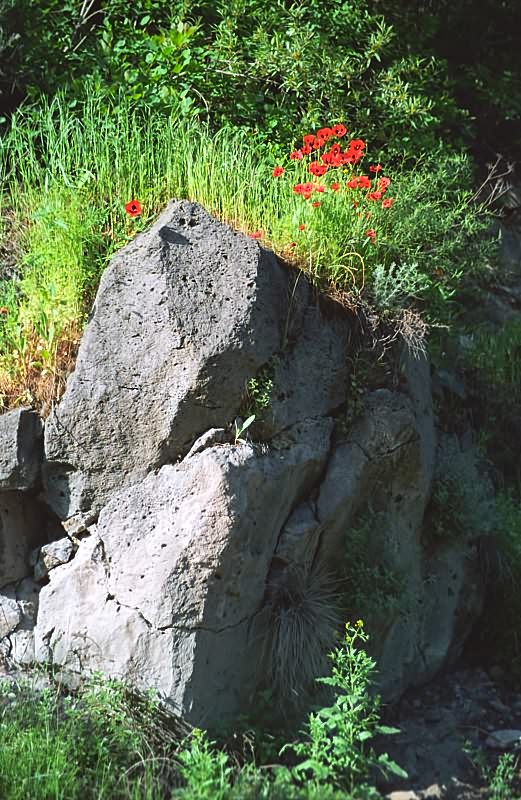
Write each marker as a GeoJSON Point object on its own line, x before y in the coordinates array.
{"type": "Point", "coordinates": [197, 559]}
{"type": "Point", "coordinates": [382, 474]}
{"type": "Point", "coordinates": [184, 316]}
{"type": "Point", "coordinates": [21, 449]}
{"type": "Point", "coordinates": [168, 589]}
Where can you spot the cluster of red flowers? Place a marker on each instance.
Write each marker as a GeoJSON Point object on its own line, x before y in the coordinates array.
{"type": "Point", "coordinates": [333, 157]}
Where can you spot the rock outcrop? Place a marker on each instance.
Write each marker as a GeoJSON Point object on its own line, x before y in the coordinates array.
{"type": "Point", "coordinates": [183, 547]}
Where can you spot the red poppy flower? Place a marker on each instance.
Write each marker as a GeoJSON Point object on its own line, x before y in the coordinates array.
{"type": "Point", "coordinates": [278, 171]}
{"type": "Point", "coordinates": [326, 158]}
{"type": "Point", "coordinates": [335, 186]}
{"type": "Point", "coordinates": [304, 189]}
{"type": "Point", "coordinates": [375, 168]}
{"type": "Point", "coordinates": [387, 203]}
{"type": "Point", "coordinates": [133, 208]}
{"type": "Point", "coordinates": [356, 144]}
{"type": "Point", "coordinates": [316, 203]}
{"type": "Point", "coordinates": [360, 182]}
{"type": "Point", "coordinates": [325, 133]}
{"type": "Point", "coordinates": [374, 196]}
{"type": "Point", "coordinates": [317, 169]}
{"type": "Point", "coordinates": [296, 155]}
{"type": "Point", "coordinates": [339, 130]}
{"type": "Point", "coordinates": [383, 183]}
{"type": "Point", "coordinates": [352, 156]}
{"type": "Point", "coordinates": [335, 149]}
{"type": "Point", "coordinates": [306, 150]}
{"type": "Point", "coordinates": [319, 142]}
{"type": "Point", "coordinates": [371, 234]}
{"type": "Point", "coordinates": [256, 235]}
{"type": "Point", "coordinates": [301, 227]}
{"type": "Point", "coordinates": [319, 187]}
{"type": "Point", "coordinates": [309, 138]}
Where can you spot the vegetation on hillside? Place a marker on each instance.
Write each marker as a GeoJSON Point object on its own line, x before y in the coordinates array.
{"type": "Point", "coordinates": [349, 137]}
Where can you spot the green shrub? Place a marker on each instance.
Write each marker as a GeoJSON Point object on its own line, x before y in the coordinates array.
{"type": "Point", "coordinates": [246, 63]}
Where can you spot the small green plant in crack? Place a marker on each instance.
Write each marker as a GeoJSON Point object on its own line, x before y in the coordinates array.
{"type": "Point", "coordinates": [259, 390]}
{"type": "Point", "coordinates": [240, 427]}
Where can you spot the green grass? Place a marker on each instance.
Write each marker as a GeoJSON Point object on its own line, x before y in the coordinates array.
{"type": "Point", "coordinates": [89, 745]}
{"type": "Point", "coordinates": [66, 174]}
{"type": "Point", "coordinates": [107, 742]}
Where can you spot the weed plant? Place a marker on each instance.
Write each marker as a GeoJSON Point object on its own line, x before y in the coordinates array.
{"type": "Point", "coordinates": [105, 742]}
{"type": "Point", "coordinates": [335, 749]}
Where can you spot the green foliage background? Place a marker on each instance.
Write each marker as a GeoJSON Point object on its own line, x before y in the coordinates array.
{"type": "Point", "coordinates": [280, 66]}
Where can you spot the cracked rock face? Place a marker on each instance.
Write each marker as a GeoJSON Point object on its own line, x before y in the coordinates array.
{"type": "Point", "coordinates": [167, 591]}
{"type": "Point", "coordinates": [178, 537]}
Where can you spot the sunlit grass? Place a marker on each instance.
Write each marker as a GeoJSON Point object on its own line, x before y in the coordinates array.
{"type": "Point", "coordinates": [66, 176]}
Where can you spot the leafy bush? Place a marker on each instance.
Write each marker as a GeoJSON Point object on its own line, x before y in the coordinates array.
{"type": "Point", "coordinates": [246, 63]}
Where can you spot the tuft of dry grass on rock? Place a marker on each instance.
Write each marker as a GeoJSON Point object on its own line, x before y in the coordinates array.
{"type": "Point", "coordinates": [304, 624]}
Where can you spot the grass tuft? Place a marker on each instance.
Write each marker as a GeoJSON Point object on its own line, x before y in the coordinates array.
{"type": "Point", "coordinates": [304, 623]}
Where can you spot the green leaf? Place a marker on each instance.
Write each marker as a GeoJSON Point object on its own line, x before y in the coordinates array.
{"type": "Point", "coordinates": [385, 761]}
{"type": "Point", "coordinates": [387, 729]}
{"type": "Point", "coordinates": [248, 422]}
